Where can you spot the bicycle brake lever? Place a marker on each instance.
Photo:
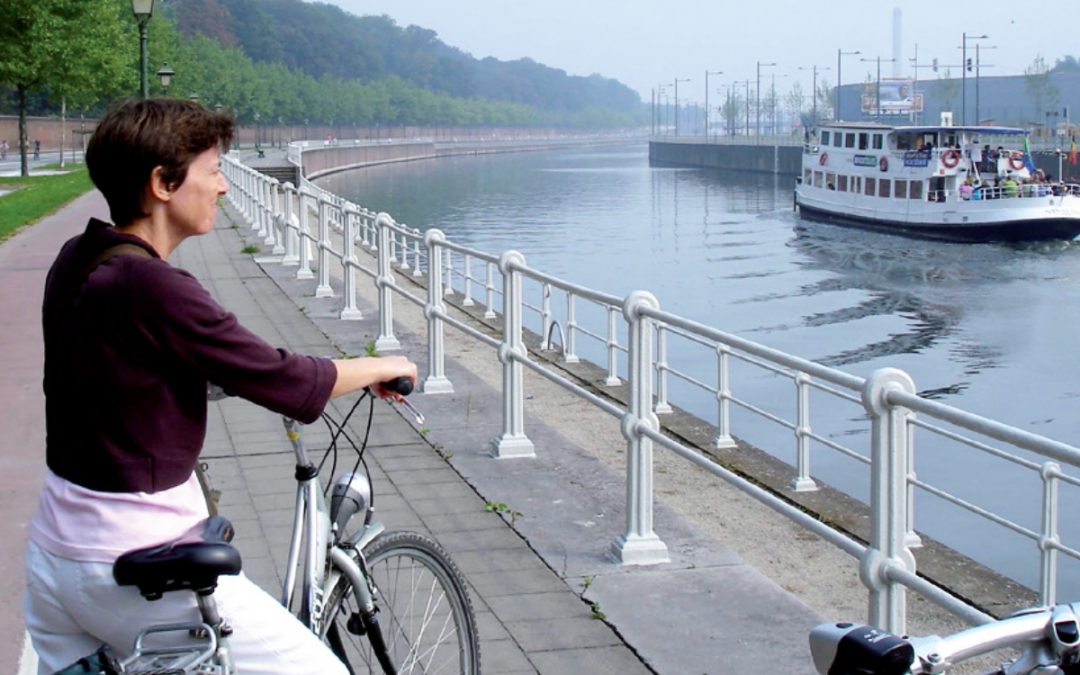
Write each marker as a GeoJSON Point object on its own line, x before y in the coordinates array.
{"type": "Point", "coordinates": [412, 409]}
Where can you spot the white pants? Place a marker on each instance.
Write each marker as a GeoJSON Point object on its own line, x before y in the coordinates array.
{"type": "Point", "coordinates": [72, 607]}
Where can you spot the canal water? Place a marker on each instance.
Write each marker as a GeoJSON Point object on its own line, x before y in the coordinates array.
{"type": "Point", "coordinates": [988, 328]}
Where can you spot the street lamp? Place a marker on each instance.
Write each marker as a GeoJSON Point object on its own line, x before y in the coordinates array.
{"type": "Point", "coordinates": [143, 10]}
{"type": "Point", "coordinates": [877, 88]}
{"type": "Point", "coordinates": [165, 74]}
{"type": "Point", "coordinates": [963, 73]}
{"type": "Point", "coordinates": [677, 81]}
{"type": "Point", "coordinates": [757, 129]}
{"type": "Point", "coordinates": [977, 67]}
{"type": "Point", "coordinates": [813, 94]}
{"type": "Point", "coordinates": [707, 111]}
{"type": "Point", "coordinates": [839, 80]}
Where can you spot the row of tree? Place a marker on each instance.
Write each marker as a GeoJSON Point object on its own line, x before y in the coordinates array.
{"type": "Point", "coordinates": [83, 54]}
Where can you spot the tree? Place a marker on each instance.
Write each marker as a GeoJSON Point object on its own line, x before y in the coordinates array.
{"type": "Point", "coordinates": [70, 48]}
{"type": "Point", "coordinates": [794, 102]}
{"type": "Point", "coordinates": [826, 101]}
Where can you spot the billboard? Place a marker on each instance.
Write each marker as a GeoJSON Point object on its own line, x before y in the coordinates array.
{"type": "Point", "coordinates": [898, 97]}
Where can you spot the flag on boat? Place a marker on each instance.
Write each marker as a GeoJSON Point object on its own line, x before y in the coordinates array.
{"type": "Point", "coordinates": [1029, 163]}
{"type": "Point", "coordinates": [1072, 152]}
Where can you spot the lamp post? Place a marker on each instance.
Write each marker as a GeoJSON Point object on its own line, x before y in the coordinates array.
{"type": "Point", "coordinates": [757, 104]}
{"type": "Point", "coordinates": [748, 108]}
{"type": "Point", "coordinates": [963, 73]}
{"type": "Point", "coordinates": [257, 130]}
{"type": "Point", "coordinates": [877, 86]}
{"type": "Point", "coordinates": [661, 94]}
{"type": "Point", "coordinates": [707, 111]}
{"type": "Point", "coordinates": [977, 67]}
{"type": "Point", "coordinates": [677, 81]}
{"type": "Point", "coordinates": [839, 80]}
{"type": "Point", "coordinates": [143, 10]}
{"type": "Point", "coordinates": [165, 75]}
{"type": "Point", "coordinates": [813, 94]}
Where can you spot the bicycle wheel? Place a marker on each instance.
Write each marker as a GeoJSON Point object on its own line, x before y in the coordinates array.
{"type": "Point", "coordinates": [425, 616]}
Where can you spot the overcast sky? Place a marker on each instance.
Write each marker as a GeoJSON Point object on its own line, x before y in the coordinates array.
{"type": "Point", "coordinates": [646, 42]}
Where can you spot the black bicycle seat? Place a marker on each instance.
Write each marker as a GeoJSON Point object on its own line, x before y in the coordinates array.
{"type": "Point", "coordinates": [192, 561]}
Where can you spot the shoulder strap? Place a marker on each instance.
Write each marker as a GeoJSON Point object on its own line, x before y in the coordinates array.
{"type": "Point", "coordinates": [113, 251]}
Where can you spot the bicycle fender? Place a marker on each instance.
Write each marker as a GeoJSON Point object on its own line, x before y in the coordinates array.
{"type": "Point", "coordinates": [351, 569]}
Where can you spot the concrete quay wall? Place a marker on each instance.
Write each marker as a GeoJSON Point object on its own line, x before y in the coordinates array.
{"type": "Point", "coordinates": [344, 156]}
{"type": "Point", "coordinates": [778, 159]}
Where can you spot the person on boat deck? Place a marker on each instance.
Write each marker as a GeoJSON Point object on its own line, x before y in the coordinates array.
{"type": "Point", "coordinates": [967, 188]}
{"type": "Point", "coordinates": [1009, 186]}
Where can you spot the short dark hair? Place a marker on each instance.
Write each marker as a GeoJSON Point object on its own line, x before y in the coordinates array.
{"type": "Point", "coordinates": [137, 136]}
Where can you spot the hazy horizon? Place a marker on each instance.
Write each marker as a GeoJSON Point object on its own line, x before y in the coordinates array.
{"type": "Point", "coordinates": [647, 44]}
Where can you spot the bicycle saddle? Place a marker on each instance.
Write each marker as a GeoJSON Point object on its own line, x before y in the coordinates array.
{"type": "Point", "coordinates": [192, 561]}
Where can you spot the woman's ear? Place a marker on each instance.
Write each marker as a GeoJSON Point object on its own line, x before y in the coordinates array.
{"type": "Point", "coordinates": [157, 187]}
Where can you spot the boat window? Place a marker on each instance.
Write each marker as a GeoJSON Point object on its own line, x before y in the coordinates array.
{"type": "Point", "coordinates": [871, 186]}
{"type": "Point", "coordinates": [837, 140]}
{"type": "Point", "coordinates": [825, 137]}
{"type": "Point", "coordinates": [900, 189]}
{"type": "Point", "coordinates": [878, 142]}
{"type": "Point", "coordinates": [849, 140]}
{"type": "Point", "coordinates": [806, 176]}
{"type": "Point", "coordinates": [841, 183]}
{"type": "Point", "coordinates": [817, 179]}
{"type": "Point", "coordinates": [915, 191]}
{"type": "Point", "coordinates": [830, 181]}
{"type": "Point", "coordinates": [856, 183]}
{"type": "Point", "coordinates": [904, 141]}
{"type": "Point", "coordinates": [883, 187]}
{"type": "Point", "coordinates": [862, 140]}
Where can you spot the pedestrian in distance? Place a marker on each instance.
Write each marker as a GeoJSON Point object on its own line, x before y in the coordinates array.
{"type": "Point", "coordinates": [37, 149]}
{"type": "Point", "coordinates": [131, 346]}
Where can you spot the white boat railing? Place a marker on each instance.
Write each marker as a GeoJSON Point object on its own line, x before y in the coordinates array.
{"type": "Point", "coordinates": [633, 339]}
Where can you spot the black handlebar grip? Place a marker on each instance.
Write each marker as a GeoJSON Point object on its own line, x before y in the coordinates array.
{"type": "Point", "coordinates": [401, 385]}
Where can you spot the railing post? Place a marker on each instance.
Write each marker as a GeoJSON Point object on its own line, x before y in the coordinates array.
{"type": "Point", "coordinates": [1048, 552]}
{"type": "Point", "coordinates": [468, 300]}
{"type": "Point", "coordinates": [291, 235]}
{"type": "Point", "coordinates": [268, 211]}
{"type": "Point", "coordinates": [416, 270]}
{"type": "Point", "coordinates": [489, 291]}
{"type": "Point", "coordinates": [545, 317]}
{"type": "Point", "coordinates": [570, 349]}
{"type": "Point", "coordinates": [349, 262]}
{"type": "Point", "coordinates": [385, 282]}
{"type": "Point", "coordinates": [304, 234]}
{"type": "Point", "coordinates": [448, 285]}
{"type": "Point", "coordinates": [803, 482]}
{"type": "Point", "coordinates": [888, 545]}
{"type": "Point", "coordinates": [662, 406]}
{"type": "Point", "coordinates": [403, 255]}
{"type": "Point", "coordinates": [513, 442]}
{"type": "Point", "coordinates": [277, 236]}
{"type": "Point", "coordinates": [324, 289]}
{"type": "Point", "coordinates": [639, 545]}
{"type": "Point", "coordinates": [436, 381]}
{"type": "Point", "coordinates": [612, 379]}
{"type": "Point", "coordinates": [724, 439]}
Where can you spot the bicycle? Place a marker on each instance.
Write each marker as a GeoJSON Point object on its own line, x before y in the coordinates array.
{"type": "Point", "coordinates": [1048, 639]}
{"type": "Point", "coordinates": [348, 581]}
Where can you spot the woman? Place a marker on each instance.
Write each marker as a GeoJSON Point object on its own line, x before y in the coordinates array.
{"type": "Point", "coordinates": [131, 344]}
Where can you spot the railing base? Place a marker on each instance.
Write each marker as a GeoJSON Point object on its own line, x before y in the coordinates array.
{"type": "Point", "coordinates": [304, 274]}
{"type": "Point", "coordinates": [387, 344]}
{"type": "Point", "coordinates": [351, 314]}
{"type": "Point", "coordinates": [438, 385]}
{"type": "Point", "coordinates": [725, 443]}
{"type": "Point", "coordinates": [512, 447]}
{"type": "Point", "coordinates": [324, 292]}
{"type": "Point", "coordinates": [638, 550]}
{"type": "Point", "coordinates": [804, 485]}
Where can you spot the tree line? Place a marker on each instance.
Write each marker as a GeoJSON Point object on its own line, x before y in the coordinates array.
{"type": "Point", "coordinates": [286, 62]}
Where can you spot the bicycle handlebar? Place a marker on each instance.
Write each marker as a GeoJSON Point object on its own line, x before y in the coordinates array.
{"type": "Point", "coordinates": [1047, 636]}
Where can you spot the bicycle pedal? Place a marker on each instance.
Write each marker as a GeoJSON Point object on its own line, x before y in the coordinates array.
{"type": "Point", "coordinates": [355, 625]}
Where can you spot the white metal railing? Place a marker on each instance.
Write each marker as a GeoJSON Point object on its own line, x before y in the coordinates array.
{"type": "Point", "coordinates": [634, 331]}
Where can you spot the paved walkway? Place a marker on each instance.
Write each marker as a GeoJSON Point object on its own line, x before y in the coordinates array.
{"type": "Point", "coordinates": [705, 612]}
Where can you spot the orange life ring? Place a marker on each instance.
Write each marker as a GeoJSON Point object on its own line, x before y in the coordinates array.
{"type": "Point", "coordinates": [883, 163]}
{"type": "Point", "coordinates": [1016, 160]}
{"type": "Point", "coordinates": [950, 158]}
{"type": "Point", "coordinates": [824, 158]}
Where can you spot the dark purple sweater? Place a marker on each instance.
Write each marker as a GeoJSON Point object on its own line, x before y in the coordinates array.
{"type": "Point", "coordinates": [127, 360]}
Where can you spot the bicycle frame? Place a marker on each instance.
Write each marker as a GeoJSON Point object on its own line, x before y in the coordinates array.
{"type": "Point", "coordinates": [317, 543]}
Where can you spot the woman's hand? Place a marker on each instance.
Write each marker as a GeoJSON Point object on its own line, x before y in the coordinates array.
{"type": "Point", "coordinates": [354, 374]}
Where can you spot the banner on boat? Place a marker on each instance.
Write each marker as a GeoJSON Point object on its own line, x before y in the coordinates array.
{"type": "Point", "coordinates": [897, 97]}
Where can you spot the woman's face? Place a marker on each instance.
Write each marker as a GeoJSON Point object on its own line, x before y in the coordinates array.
{"type": "Point", "coordinates": [193, 205]}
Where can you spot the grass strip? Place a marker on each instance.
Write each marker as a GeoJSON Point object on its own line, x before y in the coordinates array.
{"type": "Point", "coordinates": [38, 196]}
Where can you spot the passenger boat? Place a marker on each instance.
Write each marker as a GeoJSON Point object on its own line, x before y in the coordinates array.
{"type": "Point", "coordinates": [910, 180]}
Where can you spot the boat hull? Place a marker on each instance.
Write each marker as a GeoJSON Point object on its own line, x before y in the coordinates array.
{"type": "Point", "coordinates": [1040, 229]}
